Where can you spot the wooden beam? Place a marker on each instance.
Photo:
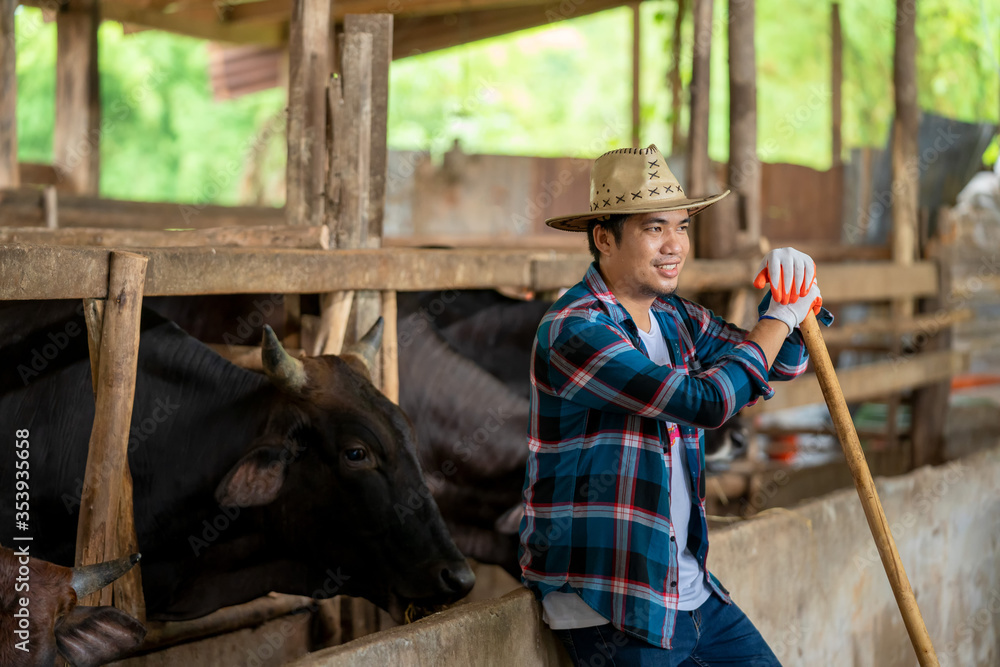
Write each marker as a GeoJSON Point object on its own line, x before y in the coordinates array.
{"type": "Point", "coordinates": [76, 144]}
{"type": "Point", "coordinates": [870, 381]}
{"type": "Point", "coordinates": [354, 143]}
{"type": "Point", "coordinates": [9, 172]}
{"type": "Point", "coordinates": [272, 236]}
{"type": "Point", "coordinates": [744, 165]}
{"type": "Point", "coordinates": [63, 272]}
{"type": "Point", "coordinates": [39, 174]}
{"type": "Point", "coordinates": [413, 35]}
{"type": "Point", "coordinates": [379, 26]}
{"type": "Point", "coordinates": [23, 207]}
{"type": "Point", "coordinates": [309, 74]}
{"type": "Point", "coordinates": [836, 81]}
{"type": "Point", "coordinates": [928, 325]}
{"type": "Point", "coordinates": [103, 528]}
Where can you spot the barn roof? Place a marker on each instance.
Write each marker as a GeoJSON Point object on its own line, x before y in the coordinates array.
{"type": "Point", "coordinates": [420, 25]}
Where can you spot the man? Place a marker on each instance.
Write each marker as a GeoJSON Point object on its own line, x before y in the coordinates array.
{"type": "Point", "coordinates": [624, 377]}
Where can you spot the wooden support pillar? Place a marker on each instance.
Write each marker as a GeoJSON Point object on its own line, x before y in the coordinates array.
{"type": "Point", "coordinates": [836, 81]}
{"type": "Point", "coordinates": [106, 527]}
{"type": "Point", "coordinates": [308, 75]}
{"type": "Point", "coordinates": [390, 348]}
{"type": "Point", "coordinates": [698, 165]}
{"type": "Point", "coordinates": [9, 170]}
{"type": "Point", "coordinates": [676, 132]}
{"type": "Point", "coordinates": [636, 60]}
{"type": "Point", "coordinates": [905, 175]}
{"type": "Point", "coordinates": [77, 139]}
{"type": "Point", "coordinates": [744, 166]}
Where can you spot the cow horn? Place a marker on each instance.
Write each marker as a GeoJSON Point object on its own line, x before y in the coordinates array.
{"type": "Point", "coordinates": [285, 371]}
{"type": "Point", "coordinates": [366, 348]}
{"type": "Point", "coordinates": [88, 579]}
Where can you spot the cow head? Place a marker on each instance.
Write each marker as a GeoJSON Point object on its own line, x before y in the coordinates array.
{"type": "Point", "coordinates": [336, 471]}
{"type": "Point", "coordinates": [32, 634]}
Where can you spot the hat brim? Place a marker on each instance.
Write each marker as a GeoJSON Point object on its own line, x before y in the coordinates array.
{"type": "Point", "coordinates": [579, 223]}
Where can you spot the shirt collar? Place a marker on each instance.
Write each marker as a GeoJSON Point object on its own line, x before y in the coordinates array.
{"type": "Point", "coordinates": [595, 283]}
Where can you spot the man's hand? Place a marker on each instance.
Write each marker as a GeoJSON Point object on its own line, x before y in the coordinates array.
{"type": "Point", "coordinates": [793, 313]}
{"type": "Point", "coordinates": [791, 274]}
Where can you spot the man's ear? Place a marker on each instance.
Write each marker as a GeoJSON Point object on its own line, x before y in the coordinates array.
{"type": "Point", "coordinates": [256, 479]}
{"type": "Point", "coordinates": [90, 636]}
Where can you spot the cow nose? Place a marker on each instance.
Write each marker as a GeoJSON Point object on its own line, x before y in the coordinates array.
{"type": "Point", "coordinates": [457, 578]}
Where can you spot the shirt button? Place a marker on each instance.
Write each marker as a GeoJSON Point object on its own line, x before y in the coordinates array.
{"type": "Point", "coordinates": [673, 539]}
{"type": "Point", "coordinates": [673, 584]}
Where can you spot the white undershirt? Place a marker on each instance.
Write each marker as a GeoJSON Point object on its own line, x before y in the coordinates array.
{"type": "Point", "coordinates": [563, 611]}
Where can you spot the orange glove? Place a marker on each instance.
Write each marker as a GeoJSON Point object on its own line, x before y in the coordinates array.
{"type": "Point", "coordinates": [791, 274]}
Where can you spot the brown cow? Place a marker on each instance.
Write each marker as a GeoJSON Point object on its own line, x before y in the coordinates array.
{"type": "Point", "coordinates": [39, 616]}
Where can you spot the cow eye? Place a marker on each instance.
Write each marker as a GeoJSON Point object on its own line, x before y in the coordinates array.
{"type": "Point", "coordinates": [356, 454]}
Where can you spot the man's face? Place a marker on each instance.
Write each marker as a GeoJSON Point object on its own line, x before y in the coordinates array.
{"type": "Point", "coordinates": [651, 255]}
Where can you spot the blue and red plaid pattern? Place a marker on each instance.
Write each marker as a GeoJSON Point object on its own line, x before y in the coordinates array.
{"type": "Point", "coordinates": [597, 485]}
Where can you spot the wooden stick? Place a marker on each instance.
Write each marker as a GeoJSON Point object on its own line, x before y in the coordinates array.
{"type": "Point", "coordinates": [93, 313]}
{"type": "Point", "coordinates": [336, 313]}
{"type": "Point", "coordinates": [866, 490]}
{"type": "Point", "coordinates": [106, 481]}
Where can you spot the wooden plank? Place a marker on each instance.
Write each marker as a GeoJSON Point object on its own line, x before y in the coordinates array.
{"type": "Point", "coordinates": [351, 229]}
{"type": "Point", "coordinates": [9, 171]}
{"type": "Point", "coordinates": [93, 312]}
{"type": "Point", "coordinates": [106, 482]}
{"type": "Point", "coordinates": [336, 313]}
{"type": "Point", "coordinates": [744, 165]}
{"type": "Point", "coordinates": [64, 272]}
{"type": "Point", "coordinates": [929, 324]}
{"type": "Point", "coordinates": [379, 26]}
{"type": "Point", "coordinates": [23, 207]}
{"type": "Point", "coordinates": [309, 73]}
{"type": "Point", "coordinates": [268, 236]}
{"type": "Point", "coordinates": [869, 381]}
{"type": "Point", "coordinates": [76, 145]}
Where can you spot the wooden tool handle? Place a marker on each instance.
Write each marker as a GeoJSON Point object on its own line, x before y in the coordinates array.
{"type": "Point", "coordinates": [848, 437]}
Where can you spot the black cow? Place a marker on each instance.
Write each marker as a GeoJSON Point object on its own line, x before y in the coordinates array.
{"type": "Point", "coordinates": [39, 616]}
{"type": "Point", "coordinates": [243, 483]}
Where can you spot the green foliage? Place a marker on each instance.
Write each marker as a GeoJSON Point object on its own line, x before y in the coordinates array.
{"type": "Point", "coordinates": [562, 89]}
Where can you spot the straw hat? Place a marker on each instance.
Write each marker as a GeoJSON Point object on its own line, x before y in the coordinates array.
{"type": "Point", "coordinates": [632, 180]}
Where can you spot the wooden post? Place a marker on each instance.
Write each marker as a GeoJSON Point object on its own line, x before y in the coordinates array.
{"type": "Point", "coordinates": [836, 81]}
{"type": "Point", "coordinates": [9, 170]}
{"type": "Point", "coordinates": [744, 166]}
{"type": "Point", "coordinates": [905, 175]}
{"type": "Point", "coordinates": [676, 133]}
{"type": "Point", "coordinates": [698, 166]}
{"type": "Point", "coordinates": [636, 60]}
{"type": "Point", "coordinates": [390, 348]}
{"type": "Point", "coordinates": [106, 526]}
{"type": "Point", "coordinates": [77, 140]}
{"type": "Point", "coordinates": [309, 73]}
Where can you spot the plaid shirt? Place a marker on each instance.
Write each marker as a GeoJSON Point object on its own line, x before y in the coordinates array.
{"type": "Point", "coordinates": [596, 492]}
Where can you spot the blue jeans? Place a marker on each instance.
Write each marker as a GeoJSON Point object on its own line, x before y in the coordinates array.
{"type": "Point", "coordinates": [714, 634]}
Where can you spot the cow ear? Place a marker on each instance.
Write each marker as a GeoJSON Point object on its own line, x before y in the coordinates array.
{"type": "Point", "coordinates": [255, 480]}
{"type": "Point", "coordinates": [90, 636]}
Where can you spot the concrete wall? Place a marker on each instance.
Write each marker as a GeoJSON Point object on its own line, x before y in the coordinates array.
{"type": "Point", "coordinates": [810, 578]}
